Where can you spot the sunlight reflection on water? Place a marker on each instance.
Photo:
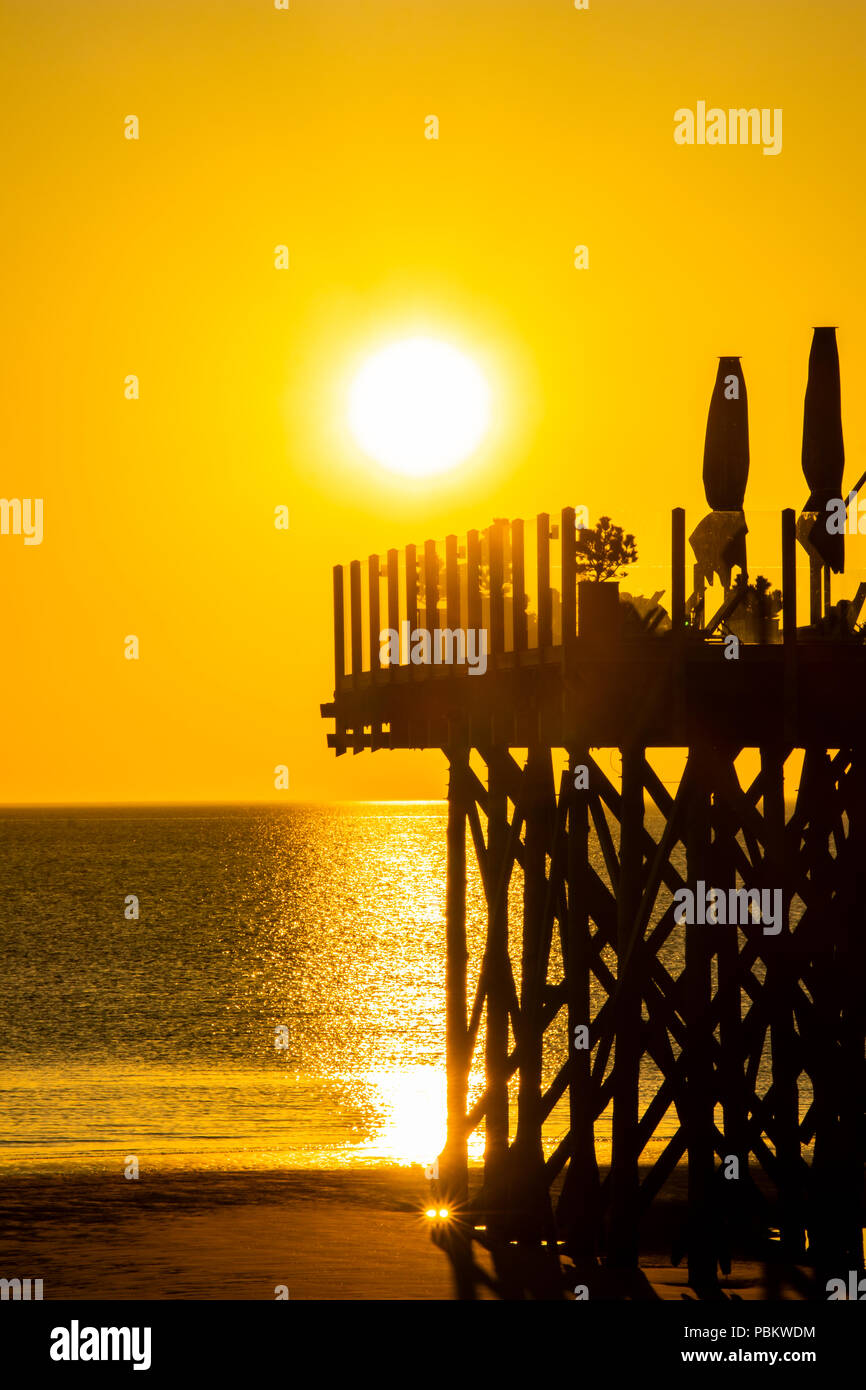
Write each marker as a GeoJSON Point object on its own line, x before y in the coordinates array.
{"type": "Point", "coordinates": [160, 1035]}
{"type": "Point", "coordinates": [321, 928]}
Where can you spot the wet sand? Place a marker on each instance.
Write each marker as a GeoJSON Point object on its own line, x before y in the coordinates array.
{"type": "Point", "coordinates": [347, 1235]}
{"type": "Point", "coordinates": [235, 1236]}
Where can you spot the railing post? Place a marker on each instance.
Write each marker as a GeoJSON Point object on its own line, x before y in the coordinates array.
{"type": "Point", "coordinates": [473, 589]}
{"type": "Point", "coordinates": [545, 608]}
{"type": "Point", "coordinates": [355, 610]}
{"type": "Point", "coordinates": [394, 593]}
{"type": "Point", "coordinates": [568, 541]}
{"type": "Point", "coordinates": [411, 592]}
{"type": "Point", "coordinates": [789, 576]}
{"type": "Point", "coordinates": [339, 629]}
{"type": "Point", "coordinates": [452, 584]}
{"type": "Point", "coordinates": [518, 588]}
{"type": "Point", "coordinates": [431, 593]}
{"type": "Point", "coordinates": [497, 598]}
{"type": "Point", "coordinates": [678, 569]}
{"type": "Point", "coordinates": [373, 609]}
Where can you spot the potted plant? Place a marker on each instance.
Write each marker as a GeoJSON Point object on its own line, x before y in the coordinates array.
{"type": "Point", "coordinates": [603, 552]}
{"type": "Point", "coordinates": [756, 619]}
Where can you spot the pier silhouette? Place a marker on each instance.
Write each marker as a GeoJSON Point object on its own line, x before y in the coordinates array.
{"type": "Point", "coordinates": [756, 1038]}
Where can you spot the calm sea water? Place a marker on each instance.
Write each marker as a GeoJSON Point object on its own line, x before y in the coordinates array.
{"type": "Point", "coordinates": [321, 928]}
{"type": "Point", "coordinates": [158, 1036]}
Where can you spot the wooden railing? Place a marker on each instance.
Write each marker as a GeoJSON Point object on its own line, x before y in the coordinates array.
{"type": "Point", "coordinates": [482, 585]}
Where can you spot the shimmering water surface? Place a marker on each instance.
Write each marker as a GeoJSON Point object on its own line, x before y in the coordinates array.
{"type": "Point", "coordinates": [158, 1036]}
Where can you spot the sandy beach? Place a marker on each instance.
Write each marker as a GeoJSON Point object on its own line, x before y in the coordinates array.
{"type": "Point", "coordinates": [324, 1235]}
{"type": "Point", "coordinates": [192, 1236]}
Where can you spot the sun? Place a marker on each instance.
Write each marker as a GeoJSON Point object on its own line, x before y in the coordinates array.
{"type": "Point", "coordinates": [419, 407]}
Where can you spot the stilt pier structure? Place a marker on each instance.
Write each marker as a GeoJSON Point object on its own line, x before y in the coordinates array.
{"type": "Point", "coordinates": [667, 993]}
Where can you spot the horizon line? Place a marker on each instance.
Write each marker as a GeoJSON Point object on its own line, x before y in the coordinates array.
{"type": "Point", "coordinates": [104, 805]}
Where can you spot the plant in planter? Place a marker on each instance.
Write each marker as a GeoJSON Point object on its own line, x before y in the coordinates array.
{"type": "Point", "coordinates": [756, 618]}
{"type": "Point", "coordinates": [603, 552]}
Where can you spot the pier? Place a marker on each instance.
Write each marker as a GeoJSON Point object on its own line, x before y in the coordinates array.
{"type": "Point", "coordinates": [754, 1038]}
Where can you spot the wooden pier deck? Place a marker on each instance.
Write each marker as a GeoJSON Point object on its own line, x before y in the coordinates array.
{"type": "Point", "coordinates": [549, 681]}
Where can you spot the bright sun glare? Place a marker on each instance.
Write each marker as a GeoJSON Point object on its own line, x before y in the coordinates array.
{"type": "Point", "coordinates": [419, 406]}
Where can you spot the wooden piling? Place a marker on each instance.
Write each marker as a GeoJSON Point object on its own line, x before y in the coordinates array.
{"type": "Point", "coordinates": [699, 1098]}
{"type": "Point", "coordinates": [497, 976]}
{"type": "Point", "coordinates": [579, 1209]}
{"type": "Point", "coordinates": [529, 1197]}
{"type": "Point", "coordinates": [454, 1166]}
{"type": "Point", "coordinates": [737, 1193]}
{"type": "Point", "coordinates": [783, 1039]}
{"type": "Point", "coordinates": [623, 1246]}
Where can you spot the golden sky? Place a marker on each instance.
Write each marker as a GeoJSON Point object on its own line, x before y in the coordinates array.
{"type": "Point", "coordinates": [156, 257]}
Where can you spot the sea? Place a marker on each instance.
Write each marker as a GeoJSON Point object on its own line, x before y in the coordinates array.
{"type": "Point", "coordinates": [213, 988]}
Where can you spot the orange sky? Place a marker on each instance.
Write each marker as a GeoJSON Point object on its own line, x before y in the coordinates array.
{"type": "Point", "coordinates": [306, 127]}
